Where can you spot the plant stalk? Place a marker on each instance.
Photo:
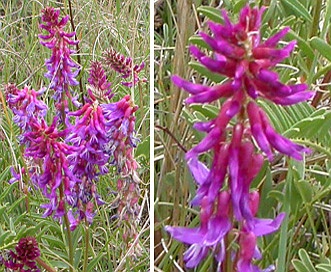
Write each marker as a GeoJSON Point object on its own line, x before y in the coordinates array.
{"type": "Point", "coordinates": [45, 265]}
{"type": "Point", "coordinates": [86, 246]}
{"type": "Point", "coordinates": [77, 51]}
{"type": "Point", "coordinates": [67, 227]}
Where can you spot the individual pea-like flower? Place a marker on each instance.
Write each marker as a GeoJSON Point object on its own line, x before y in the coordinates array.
{"type": "Point", "coordinates": [209, 235]}
{"type": "Point", "coordinates": [62, 70]}
{"type": "Point", "coordinates": [99, 87]}
{"type": "Point", "coordinates": [124, 66]}
{"type": "Point", "coordinates": [24, 259]}
{"type": "Point", "coordinates": [233, 136]}
{"type": "Point", "coordinates": [25, 105]}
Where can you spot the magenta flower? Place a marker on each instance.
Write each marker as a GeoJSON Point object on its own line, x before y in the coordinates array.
{"type": "Point", "coordinates": [239, 54]}
{"type": "Point", "coordinates": [62, 70]}
{"type": "Point", "coordinates": [27, 251]}
{"type": "Point", "coordinates": [89, 135]}
{"type": "Point", "coordinates": [124, 66]}
{"type": "Point", "coordinates": [100, 87]}
{"type": "Point", "coordinates": [266, 137]}
{"type": "Point", "coordinates": [120, 124]}
{"type": "Point", "coordinates": [56, 177]}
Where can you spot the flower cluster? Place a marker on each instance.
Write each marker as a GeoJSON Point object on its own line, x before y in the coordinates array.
{"type": "Point", "coordinates": [99, 86]}
{"type": "Point", "coordinates": [124, 66]}
{"type": "Point", "coordinates": [24, 260]}
{"type": "Point", "coordinates": [55, 180]}
{"type": "Point", "coordinates": [224, 191]}
{"type": "Point", "coordinates": [121, 123]}
{"type": "Point", "coordinates": [62, 70]}
{"type": "Point", "coordinates": [89, 161]}
{"type": "Point", "coordinates": [25, 105]}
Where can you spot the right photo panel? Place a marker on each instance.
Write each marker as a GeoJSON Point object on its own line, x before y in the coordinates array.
{"type": "Point", "coordinates": [242, 135]}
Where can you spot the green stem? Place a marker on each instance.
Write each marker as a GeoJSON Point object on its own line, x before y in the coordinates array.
{"type": "Point", "coordinates": [86, 246]}
{"type": "Point", "coordinates": [67, 227]}
{"type": "Point", "coordinates": [283, 249]}
{"type": "Point", "coordinates": [316, 18]}
{"type": "Point", "coordinates": [70, 244]}
{"type": "Point", "coordinates": [45, 265]}
{"type": "Point", "coordinates": [228, 260]}
{"type": "Point", "coordinates": [77, 51]}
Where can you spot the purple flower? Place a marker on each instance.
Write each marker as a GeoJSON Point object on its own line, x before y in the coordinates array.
{"type": "Point", "coordinates": [27, 251]}
{"type": "Point", "coordinates": [124, 66]}
{"type": "Point", "coordinates": [209, 235]}
{"type": "Point", "coordinates": [62, 70]}
{"type": "Point", "coordinates": [120, 123]}
{"type": "Point", "coordinates": [89, 136]}
{"type": "Point", "coordinates": [25, 105]}
{"type": "Point", "coordinates": [16, 176]}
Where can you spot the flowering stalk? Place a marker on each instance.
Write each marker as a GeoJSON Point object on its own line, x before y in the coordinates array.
{"type": "Point", "coordinates": [228, 205]}
{"type": "Point", "coordinates": [62, 70]}
{"type": "Point", "coordinates": [24, 259]}
{"type": "Point", "coordinates": [124, 66]}
{"type": "Point", "coordinates": [121, 123]}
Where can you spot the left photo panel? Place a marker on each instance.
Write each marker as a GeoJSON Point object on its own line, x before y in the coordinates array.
{"type": "Point", "coordinates": [74, 135]}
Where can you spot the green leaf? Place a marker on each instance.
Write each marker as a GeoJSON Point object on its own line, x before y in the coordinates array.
{"type": "Point", "coordinates": [59, 264]}
{"type": "Point", "coordinates": [23, 231]}
{"type": "Point", "coordinates": [239, 5]}
{"type": "Point", "coordinates": [54, 241]}
{"type": "Point", "coordinates": [299, 266]}
{"type": "Point", "coordinates": [326, 20]}
{"type": "Point", "coordinates": [212, 13]}
{"type": "Point", "coordinates": [3, 209]}
{"type": "Point", "coordinates": [298, 9]}
{"type": "Point", "coordinates": [143, 148]}
{"type": "Point", "coordinates": [95, 261]}
{"type": "Point", "coordinates": [306, 260]}
{"type": "Point", "coordinates": [277, 195]}
{"type": "Point", "coordinates": [8, 191]}
{"type": "Point", "coordinates": [198, 40]}
{"type": "Point", "coordinates": [323, 267]}
{"type": "Point", "coordinates": [208, 111]}
{"type": "Point", "coordinates": [302, 44]}
{"type": "Point", "coordinates": [78, 256]}
{"type": "Point", "coordinates": [3, 237]}
{"type": "Point", "coordinates": [322, 47]}
{"type": "Point", "coordinates": [205, 72]}
{"type": "Point", "coordinates": [305, 189]}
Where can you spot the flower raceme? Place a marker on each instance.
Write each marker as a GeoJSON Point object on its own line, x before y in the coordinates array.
{"type": "Point", "coordinates": [24, 259]}
{"type": "Point", "coordinates": [124, 66]}
{"type": "Point", "coordinates": [25, 105]}
{"type": "Point", "coordinates": [62, 70]}
{"type": "Point", "coordinates": [99, 86]}
{"type": "Point", "coordinates": [238, 54]}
